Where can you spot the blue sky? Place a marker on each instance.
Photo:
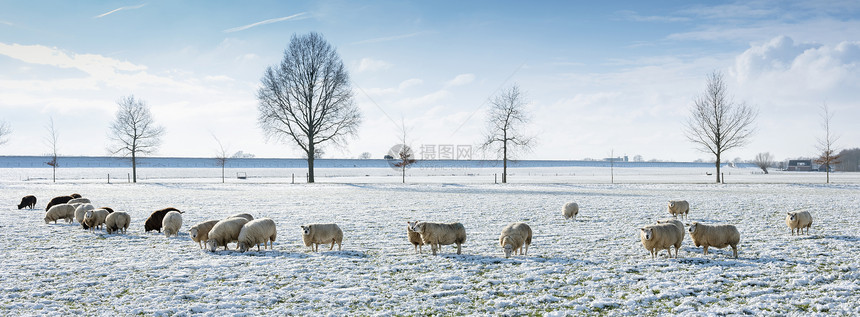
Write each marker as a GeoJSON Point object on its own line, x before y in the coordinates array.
{"type": "Point", "coordinates": [599, 77]}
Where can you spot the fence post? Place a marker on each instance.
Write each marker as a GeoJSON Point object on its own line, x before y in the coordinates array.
{"type": "Point", "coordinates": [495, 178]}
{"type": "Point", "coordinates": [723, 178]}
{"type": "Point", "coordinates": [294, 178]}
{"type": "Point", "coordinates": [108, 178]}
{"type": "Point", "coordinates": [128, 175]}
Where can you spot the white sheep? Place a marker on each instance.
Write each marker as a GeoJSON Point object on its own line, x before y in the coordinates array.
{"type": "Point", "coordinates": [81, 210]}
{"type": "Point", "coordinates": [570, 210]}
{"type": "Point", "coordinates": [224, 232]}
{"type": "Point", "coordinates": [117, 221]}
{"type": "Point", "coordinates": [660, 237]}
{"type": "Point", "coordinates": [79, 201]}
{"type": "Point", "coordinates": [255, 232]}
{"type": "Point", "coordinates": [95, 218]}
{"type": "Point", "coordinates": [718, 236]}
{"type": "Point", "coordinates": [679, 207]}
{"type": "Point", "coordinates": [171, 223]}
{"type": "Point", "coordinates": [322, 233]}
{"type": "Point", "coordinates": [243, 215]}
{"type": "Point", "coordinates": [60, 211]}
{"type": "Point", "coordinates": [797, 220]}
{"type": "Point", "coordinates": [200, 232]}
{"type": "Point", "coordinates": [438, 234]}
{"type": "Point", "coordinates": [680, 227]}
{"type": "Point", "coordinates": [414, 237]}
{"type": "Point", "coordinates": [514, 237]}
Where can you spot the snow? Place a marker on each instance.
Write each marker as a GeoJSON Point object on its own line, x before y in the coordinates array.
{"type": "Point", "coordinates": [595, 265]}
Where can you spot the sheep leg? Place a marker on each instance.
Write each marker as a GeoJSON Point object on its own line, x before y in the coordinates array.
{"type": "Point", "coordinates": [706, 250]}
{"type": "Point", "coordinates": [332, 245]}
{"type": "Point", "coordinates": [735, 251]}
{"type": "Point", "coordinates": [458, 248]}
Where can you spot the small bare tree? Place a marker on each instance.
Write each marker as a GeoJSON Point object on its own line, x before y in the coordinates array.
{"type": "Point", "coordinates": [403, 153]}
{"type": "Point", "coordinates": [717, 123]}
{"type": "Point", "coordinates": [505, 122]}
{"type": "Point", "coordinates": [763, 161]}
{"type": "Point", "coordinates": [133, 132]}
{"type": "Point", "coordinates": [307, 99]}
{"type": "Point", "coordinates": [221, 156]}
{"type": "Point", "coordinates": [827, 143]}
{"type": "Point", "coordinates": [51, 141]}
{"type": "Point", "coordinates": [365, 156]}
{"type": "Point", "coordinates": [5, 130]}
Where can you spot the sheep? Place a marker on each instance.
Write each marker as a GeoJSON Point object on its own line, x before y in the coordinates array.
{"type": "Point", "coordinates": [224, 232]}
{"type": "Point", "coordinates": [28, 201]}
{"type": "Point", "coordinates": [570, 210]}
{"type": "Point", "coordinates": [95, 218]}
{"type": "Point", "coordinates": [438, 234]}
{"type": "Point", "coordinates": [58, 200]}
{"type": "Point", "coordinates": [61, 211]}
{"type": "Point", "coordinates": [678, 224]}
{"type": "Point", "coordinates": [256, 232]}
{"type": "Point", "coordinates": [414, 237]}
{"type": "Point", "coordinates": [798, 220]}
{"type": "Point", "coordinates": [514, 237]}
{"type": "Point", "coordinates": [117, 222]}
{"type": "Point", "coordinates": [322, 233]}
{"type": "Point", "coordinates": [660, 237]}
{"type": "Point", "coordinates": [75, 195]}
{"type": "Point", "coordinates": [679, 207]}
{"type": "Point", "coordinates": [109, 209]}
{"type": "Point", "coordinates": [243, 215]}
{"type": "Point", "coordinates": [718, 236]}
{"type": "Point", "coordinates": [78, 201]}
{"type": "Point", "coordinates": [171, 223]}
{"type": "Point", "coordinates": [80, 211]}
{"type": "Point", "coordinates": [155, 219]}
{"type": "Point", "coordinates": [200, 232]}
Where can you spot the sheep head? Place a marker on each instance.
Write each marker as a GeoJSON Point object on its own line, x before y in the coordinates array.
{"type": "Point", "coordinates": [411, 225]}
{"type": "Point", "coordinates": [647, 233]}
{"type": "Point", "coordinates": [419, 227]}
{"type": "Point", "coordinates": [693, 227]}
{"type": "Point", "coordinates": [211, 245]}
{"type": "Point", "coordinates": [193, 233]}
{"type": "Point", "coordinates": [306, 230]}
{"type": "Point", "coordinates": [242, 247]}
{"type": "Point", "coordinates": [792, 216]}
{"type": "Point", "coordinates": [509, 248]}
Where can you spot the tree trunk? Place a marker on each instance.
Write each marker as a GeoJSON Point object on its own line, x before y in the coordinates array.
{"type": "Point", "coordinates": [55, 169]}
{"type": "Point", "coordinates": [718, 168]}
{"type": "Point", "coordinates": [505, 160]}
{"type": "Point", "coordinates": [133, 167]}
{"type": "Point", "coordinates": [311, 162]}
{"type": "Point", "coordinates": [222, 172]}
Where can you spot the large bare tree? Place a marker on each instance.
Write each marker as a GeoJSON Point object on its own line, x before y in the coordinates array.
{"type": "Point", "coordinates": [5, 130]}
{"type": "Point", "coordinates": [505, 123]}
{"type": "Point", "coordinates": [763, 161]}
{"type": "Point", "coordinates": [827, 142]}
{"type": "Point", "coordinates": [717, 123]}
{"type": "Point", "coordinates": [307, 99]}
{"type": "Point", "coordinates": [51, 140]}
{"type": "Point", "coordinates": [134, 132]}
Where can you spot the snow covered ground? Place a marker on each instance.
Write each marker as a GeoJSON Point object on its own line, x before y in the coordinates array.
{"type": "Point", "coordinates": [595, 265]}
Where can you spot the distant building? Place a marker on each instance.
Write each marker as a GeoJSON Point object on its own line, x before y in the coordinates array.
{"type": "Point", "coordinates": [799, 165]}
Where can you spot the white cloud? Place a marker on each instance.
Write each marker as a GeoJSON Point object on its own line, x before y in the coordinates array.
{"type": "Point", "coordinates": [460, 80]}
{"type": "Point", "coordinates": [412, 82]}
{"type": "Point", "coordinates": [245, 27]}
{"type": "Point", "coordinates": [120, 9]}
{"type": "Point", "coordinates": [371, 65]}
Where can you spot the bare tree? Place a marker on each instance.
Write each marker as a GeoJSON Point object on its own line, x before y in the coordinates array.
{"type": "Point", "coordinates": [717, 123]}
{"type": "Point", "coordinates": [221, 156]}
{"type": "Point", "coordinates": [505, 121]}
{"type": "Point", "coordinates": [133, 132]}
{"type": "Point", "coordinates": [307, 98]}
{"type": "Point", "coordinates": [827, 143]}
{"type": "Point", "coordinates": [51, 140]}
{"type": "Point", "coordinates": [403, 153]}
{"type": "Point", "coordinates": [763, 161]}
{"type": "Point", "coordinates": [5, 130]}
{"type": "Point", "coordinates": [365, 156]}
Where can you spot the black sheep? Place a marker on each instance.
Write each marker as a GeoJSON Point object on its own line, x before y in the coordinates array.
{"type": "Point", "coordinates": [154, 220]}
{"type": "Point", "coordinates": [58, 200]}
{"type": "Point", "coordinates": [28, 201]}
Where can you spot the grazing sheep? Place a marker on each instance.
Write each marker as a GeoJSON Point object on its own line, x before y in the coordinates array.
{"type": "Point", "coordinates": [80, 211]}
{"type": "Point", "coordinates": [61, 211]}
{"type": "Point", "coordinates": [322, 233]}
{"type": "Point", "coordinates": [660, 237]}
{"type": "Point", "coordinates": [256, 232]}
{"type": "Point", "coordinates": [718, 236]}
{"type": "Point", "coordinates": [78, 201]}
{"type": "Point", "coordinates": [243, 215]}
{"type": "Point", "coordinates": [797, 220]}
{"type": "Point", "coordinates": [200, 232]}
{"type": "Point", "coordinates": [679, 207]}
{"type": "Point", "coordinates": [570, 210]}
{"type": "Point", "coordinates": [514, 237]}
{"type": "Point", "coordinates": [224, 232]}
{"type": "Point", "coordinates": [58, 200]}
{"type": "Point", "coordinates": [171, 223]}
{"type": "Point", "coordinates": [414, 237]}
{"type": "Point", "coordinates": [117, 222]}
{"type": "Point", "coordinates": [95, 218]}
{"type": "Point", "coordinates": [155, 219]}
{"type": "Point", "coordinates": [438, 234]}
{"type": "Point", "coordinates": [28, 201]}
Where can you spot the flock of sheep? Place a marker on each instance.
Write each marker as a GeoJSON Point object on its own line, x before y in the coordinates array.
{"type": "Point", "coordinates": [515, 238]}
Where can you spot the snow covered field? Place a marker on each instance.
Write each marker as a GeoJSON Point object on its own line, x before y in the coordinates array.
{"type": "Point", "coordinates": [595, 265]}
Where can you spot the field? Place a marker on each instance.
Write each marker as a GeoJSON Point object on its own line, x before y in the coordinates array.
{"type": "Point", "coordinates": [595, 265]}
